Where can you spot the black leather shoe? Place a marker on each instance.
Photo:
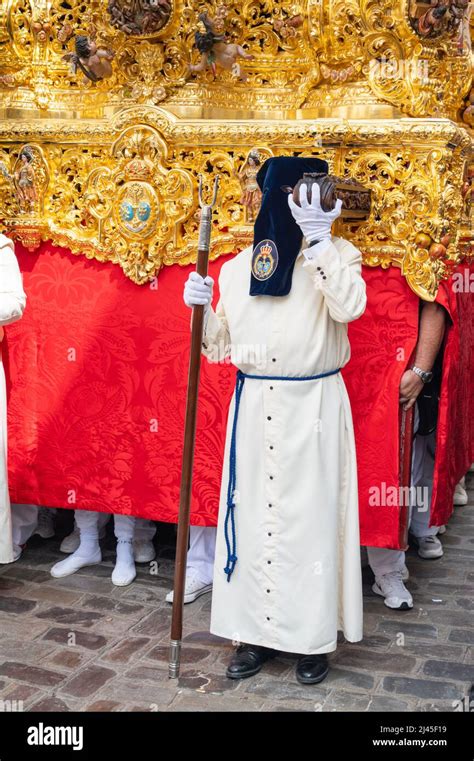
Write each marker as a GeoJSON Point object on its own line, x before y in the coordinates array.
{"type": "Point", "coordinates": [312, 669]}
{"type": "Point", "coordinates": [248, 660]}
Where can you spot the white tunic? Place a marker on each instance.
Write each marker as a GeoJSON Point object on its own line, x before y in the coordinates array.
{"type": "Point", "coordinates": [297, 579]}
{"type": "Point", "coordinates": [12, 304]}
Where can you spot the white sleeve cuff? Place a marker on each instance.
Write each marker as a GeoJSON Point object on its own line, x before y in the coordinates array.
{"type": "Point", "coordinates": [322, 258]}
{"type": "Point", "coordinates": [212, 327]}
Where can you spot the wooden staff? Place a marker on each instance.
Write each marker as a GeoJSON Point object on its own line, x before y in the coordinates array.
{"type": "Point", "coordinates": [189, 439]}
{"type": "Point", "coordinates": [406, 448]}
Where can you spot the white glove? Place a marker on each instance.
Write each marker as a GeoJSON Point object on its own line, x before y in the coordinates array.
{"type": "Point", "coordinates": [198, 290]}
{"type": "Point", "coordinates": [314, 223]}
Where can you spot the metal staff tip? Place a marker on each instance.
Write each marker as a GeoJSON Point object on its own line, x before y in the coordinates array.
{"type": "Point", "coordinates": [215, 191]}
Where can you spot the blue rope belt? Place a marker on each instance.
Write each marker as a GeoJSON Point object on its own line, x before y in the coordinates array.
{"type": "Point", "coordinates": [231, 541]}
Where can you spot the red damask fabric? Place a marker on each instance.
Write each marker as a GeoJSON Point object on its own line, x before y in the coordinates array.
{"type": "Point", "coordinates": [382, 342]}
{"type": "Point", "coordinates": [455, 431]}
{"type": "Point", "coordinates": [97, 372]}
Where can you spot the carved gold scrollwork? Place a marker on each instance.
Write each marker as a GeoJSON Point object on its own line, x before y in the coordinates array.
{"type": "Point", "coordinates": [127, 193]}
{"type": "Point", "coordinates": [313, 54]}
{"type": "Point", "coordinates": [412, 195]}
{"type": "Point", "coordinates": [334, 78]}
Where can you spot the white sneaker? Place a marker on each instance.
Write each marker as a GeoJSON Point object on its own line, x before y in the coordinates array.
{"type": "Point", "coordinates": [193, 589]}
{"type": "Point", "coordinates": [429, 547]}
{"type": "Point", "coordinates": [391, 587]}
{"type": "Point", "coordinates": [74, 563]}
{"type": "Point", "coordinates": [143, 550]}
{"type": "Point", "coordinates": [460, 496]}
{"type": "Point", "coordinates": [45, 527]}
{"type": "Point", "coordinates": [71, 542]}
{"type": "Point", "coordinates": [441, 530]}
{"type": "Point", "coordinates": [405, 573]}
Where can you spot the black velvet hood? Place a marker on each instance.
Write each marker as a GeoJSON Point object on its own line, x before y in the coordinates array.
{"type": "Point", "coordinates": [277, 237]}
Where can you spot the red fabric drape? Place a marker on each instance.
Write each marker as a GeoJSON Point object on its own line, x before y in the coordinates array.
{"type": "Point", "coordinates": [455, 432]}
{"type": "Point", "coordinates": [382, 342]}
{"type": "Point", "coordinates": [97, 372]}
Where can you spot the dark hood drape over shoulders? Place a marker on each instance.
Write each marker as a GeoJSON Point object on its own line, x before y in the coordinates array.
{"type": "Point", "coordinates": [277, 237]}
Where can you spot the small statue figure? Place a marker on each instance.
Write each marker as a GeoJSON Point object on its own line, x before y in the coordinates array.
{"type": "Point", "coordinates": [215, 49]}
{"type": "Point", "coordinates": [23, 179]}
{"type": "Point", "coordinates": [156, 14]}
{"type": "Point", "coordinates": [432, 21]}
{"type": "Point", "coordinates": [138, 17]}
{"type": "Point", "coordinates": [441, 16]}
{"type": "Point", "coordinates": [251, 194]}
{"type": "Point", "coordinates": [467, 192]}
{"type": "Point", "coordinates": [94, 62]}
{"type": "Point", "coordinates": [457, 13]}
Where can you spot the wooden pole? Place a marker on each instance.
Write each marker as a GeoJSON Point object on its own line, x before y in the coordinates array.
{"type": "Point", "coordinates": [406, 449]}
{"type": "Point", "coordinates": [189, 441]}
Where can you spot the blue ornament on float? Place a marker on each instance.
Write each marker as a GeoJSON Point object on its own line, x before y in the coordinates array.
{"type": "Point", "coordinates": [126, 211]}
{"type": "Point", "coordinates": [143, 211]}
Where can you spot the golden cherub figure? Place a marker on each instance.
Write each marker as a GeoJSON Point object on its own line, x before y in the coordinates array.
{"type": "Point", "coordinates": [214, 48]}
{"type": "Point", "coordinates": [94, 62]}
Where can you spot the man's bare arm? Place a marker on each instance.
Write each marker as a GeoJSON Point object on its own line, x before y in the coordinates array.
{"type": "Point", "coordinates": [431, 334]}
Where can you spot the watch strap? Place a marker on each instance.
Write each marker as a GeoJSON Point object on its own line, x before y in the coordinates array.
{"type": "Point", "coordinates": [425, 375]}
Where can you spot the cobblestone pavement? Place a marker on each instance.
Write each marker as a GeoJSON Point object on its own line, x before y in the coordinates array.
{"type": "Point", "coordinates": [81, 644]}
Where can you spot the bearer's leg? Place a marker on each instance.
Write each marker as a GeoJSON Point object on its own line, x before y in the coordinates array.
{"type": "Point", "coordinates": [71, 542]}
{"type": "Point", "coordinates": [429, 546]}
{"type": "Point", "coordinates": [46, 519]}
{"type": "Point", "coordinates": [124, 571]}
{"type": "Point", "coordinates": [88, 552]}
{"type": "Point", "coordinates": [143, 547]}
{"type": "Point", "coordinates": [24, 522]}
{"type": "Point", "coordinates": [200, 563]}
{"type": "Point", "coordinates": [460, 497]}
{"type": "Point", "coordinates": [388, 567]}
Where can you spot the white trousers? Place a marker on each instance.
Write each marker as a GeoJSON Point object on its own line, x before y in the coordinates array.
{"type": "Point", "coordinates": [88, 524]}
{"type": "Point", "coordinates": [202, 541]}
{"type": "Point", "coordinates": [24, 522]}
{"type": "Point", "coordinates": [145, 530]}
{"type": "Point", "coordinates": [202, 549]}
{"type": "Point", "coordinates": [382, 560]}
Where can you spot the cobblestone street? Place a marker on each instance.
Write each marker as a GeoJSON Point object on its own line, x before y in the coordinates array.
{"type": "Point", "coordinates": [81, 644]}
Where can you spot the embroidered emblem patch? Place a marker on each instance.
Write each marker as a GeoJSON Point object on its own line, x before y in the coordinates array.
{"type": "Point", "coordinates": [264, 259]}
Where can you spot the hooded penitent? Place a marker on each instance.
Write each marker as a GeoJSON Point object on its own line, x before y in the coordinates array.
{"type": "Point", "coordinates": [277, 237]}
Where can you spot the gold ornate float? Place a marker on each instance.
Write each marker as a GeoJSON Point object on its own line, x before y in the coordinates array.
{"type": "Point", "coordinates": [117, 135]}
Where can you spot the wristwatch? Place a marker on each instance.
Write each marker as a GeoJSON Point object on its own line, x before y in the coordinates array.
{"type": "Point", "coordinates": [425, 376]}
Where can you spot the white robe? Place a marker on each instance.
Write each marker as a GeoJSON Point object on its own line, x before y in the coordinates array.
{"type": "Point", "coordinates": [12, 304]}
{"type": "Point", "coordinates": [297, 580]}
